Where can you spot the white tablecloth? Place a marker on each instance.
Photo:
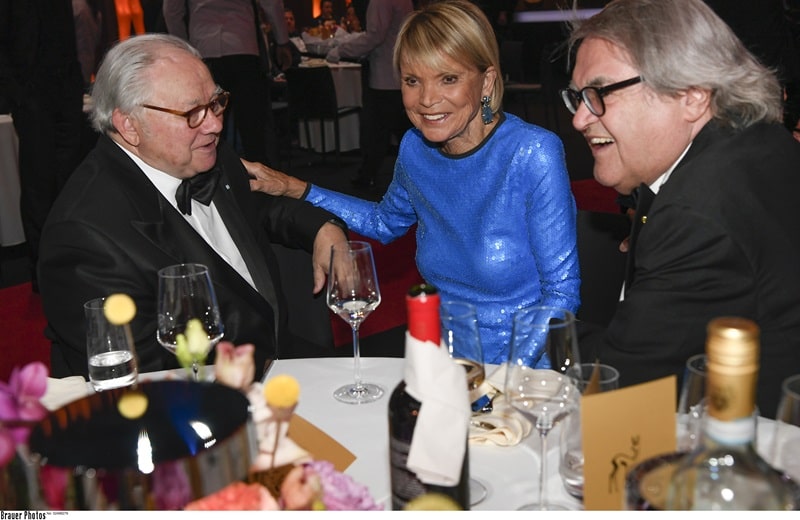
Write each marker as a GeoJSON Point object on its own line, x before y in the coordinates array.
{"type": "Point", "coordinates": [347, 81]}
{"type": "Point", "coordinates": [11, 232]}
{"type": "Point", "coordinates": [510, 473]}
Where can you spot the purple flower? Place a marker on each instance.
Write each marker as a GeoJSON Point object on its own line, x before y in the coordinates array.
{"type": "Point", "coordinates": [19, 403]}
{"type": "Point", "coordinates": [340, 492]}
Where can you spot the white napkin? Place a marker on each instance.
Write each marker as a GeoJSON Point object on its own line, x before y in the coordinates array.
{"type": "Point", "coordinates": [65, 390]}
{"type": "Point", "coordinates": [440, 436]}
{"type": "Point", "coordinates": [503, 426]}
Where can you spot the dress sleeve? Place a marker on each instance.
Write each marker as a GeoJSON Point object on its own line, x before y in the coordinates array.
{"type": "Point", "coordinates": [551, 221]}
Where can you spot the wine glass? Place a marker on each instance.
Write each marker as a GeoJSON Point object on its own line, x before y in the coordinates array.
{"type": "Point", "coordinates": [543, 337]}
{"type": "Point", "coordinates": [691, 402]}
{"type": "Point", "coordinates": [185, 292]}
{"type": "Point", "coordinates": [353, 293]}
{"type": "Point", "coordinates": [786, 437]}
{"type": "Point", "coordinates": [459, 325]}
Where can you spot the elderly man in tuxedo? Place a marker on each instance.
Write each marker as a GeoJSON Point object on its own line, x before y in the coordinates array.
{"type": "Point", "coordinates": [676, 110]}
{"type": "Point", "coordinates": [160, 189]}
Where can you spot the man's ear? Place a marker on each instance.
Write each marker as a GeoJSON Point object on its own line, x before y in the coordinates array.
{"type": "Point", "coordinates": [696, 102]}
{"type": "Point", "coordinates": [126, 126]}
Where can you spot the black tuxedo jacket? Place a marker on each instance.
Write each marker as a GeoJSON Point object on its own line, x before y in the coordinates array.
{"type": "Point", "coordinates": [111, 231]}
{"type": "Point", "coordinates": [721, 238]}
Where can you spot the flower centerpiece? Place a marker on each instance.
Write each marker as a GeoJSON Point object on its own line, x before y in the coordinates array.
{"type": "Point", "coordinates": [295, 481]}
{"type": "Point", "coordinates": [20, 409]}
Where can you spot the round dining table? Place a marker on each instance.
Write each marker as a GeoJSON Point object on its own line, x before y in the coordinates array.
{"type": "Point", "coordinates": [509, 473]}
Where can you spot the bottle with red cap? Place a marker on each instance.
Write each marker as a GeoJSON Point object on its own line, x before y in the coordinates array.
{"type": "Point", "coordinates": [422, 304]}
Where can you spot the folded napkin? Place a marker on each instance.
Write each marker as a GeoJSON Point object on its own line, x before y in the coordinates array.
{"type": "Point", "coordinates": [65, 390]}
{"type": "Point", "coordinates": [440, 436]}
{"type": "Point", "coordinates": [504, 425]}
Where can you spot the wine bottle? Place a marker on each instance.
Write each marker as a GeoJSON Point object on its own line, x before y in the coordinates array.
{"type": "Point", "coordinates": [422, 303]}
{"type": "Point", "coordinates": [724, 472]}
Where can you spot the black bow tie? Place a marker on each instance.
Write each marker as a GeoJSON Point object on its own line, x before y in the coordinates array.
{"type": "Point", "coordinates": [200, 188]}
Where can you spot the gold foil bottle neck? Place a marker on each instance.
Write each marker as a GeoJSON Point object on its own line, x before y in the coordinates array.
{"type": "Point", "coordinates": [732, 348]}
{"type": "Point", "coordinates": [733, 342]}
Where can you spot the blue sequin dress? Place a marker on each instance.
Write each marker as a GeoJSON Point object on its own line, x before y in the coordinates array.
{"type": "Point", "coordinates": [495, 226]}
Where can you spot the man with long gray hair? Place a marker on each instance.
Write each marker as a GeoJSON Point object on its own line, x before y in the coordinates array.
{"type": "Point", "coordinates": [677, 112]}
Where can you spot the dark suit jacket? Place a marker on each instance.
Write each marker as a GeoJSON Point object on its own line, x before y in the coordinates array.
{"type": "Point", "coordinates": [722, 238]}
{"type": "Point", "coordinates": [111, 231]}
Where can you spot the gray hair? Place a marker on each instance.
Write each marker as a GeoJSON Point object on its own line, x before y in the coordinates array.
{"type": "Point", "coordinates": [678, 44]}
{"type": "Point", "coordinates": [455, 29]}
{"type": "Point", "coordinates": [121, 81]}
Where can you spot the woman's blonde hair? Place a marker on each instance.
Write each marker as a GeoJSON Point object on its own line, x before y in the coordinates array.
{"type": "Point", "coordinates": [450, 29]}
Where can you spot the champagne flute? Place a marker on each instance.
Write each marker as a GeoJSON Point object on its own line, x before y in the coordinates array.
{"type": "Point", "coordinates": [185, 292]}
{"type": "Point", "coordinates": [543, 336]}
{"type": "Point", "coordinates": [459, 325]}
{"type": "Point", "coordinates": [353, 293]}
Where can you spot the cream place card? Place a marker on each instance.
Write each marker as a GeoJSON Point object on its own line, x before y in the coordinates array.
{"type": "Point", "coordinates": [621, 428]}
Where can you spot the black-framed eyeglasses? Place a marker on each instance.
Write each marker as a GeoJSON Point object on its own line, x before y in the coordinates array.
{"type": "Point", "coordinates": [593, 96]}
{"type": "Point", "coordinates": [197, 115]}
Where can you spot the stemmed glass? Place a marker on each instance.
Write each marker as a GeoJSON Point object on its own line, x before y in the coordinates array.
{"type": "Point", "coordinates": [353, 293]}
{"type": "Point", "coordinates": [786, 438]}
{"type": "Point", "coordinates": [459, 325]}
{"type": "Point", "coordinates": [185, 292]}
{"type": "Point", "coordinates": [542, 337]}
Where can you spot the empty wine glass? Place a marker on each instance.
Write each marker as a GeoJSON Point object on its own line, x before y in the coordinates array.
{"type": "Point", "coordinates": [543, 336]}
{"type": "Point", "coordinates": [459, 325]}
{"type": "Point", "coordinates": [786, 438]}
{"type": "Point", "coordinates": [691, 402]}
{"type": "Point", "coordinates": [185, 292]}
{"type": "Point", "coordinates": [353, 293]}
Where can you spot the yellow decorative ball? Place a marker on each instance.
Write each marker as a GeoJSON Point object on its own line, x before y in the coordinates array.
{"type": "Point", "coordinates": [132, 405]}
{"type": "Point", "coordinates": [432, 502]}
{"type": "Point", "coordinates": [282, 391]}
{"type": "Point", "coordinates": [119, 309]}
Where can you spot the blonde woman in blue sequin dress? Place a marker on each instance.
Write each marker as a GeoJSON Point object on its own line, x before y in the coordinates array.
{"type": "Point", "coordinates": [488, 191]}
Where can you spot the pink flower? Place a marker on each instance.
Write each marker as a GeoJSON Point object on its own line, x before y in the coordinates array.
{"type": "Point", "coordinates": [19, 402]}
{"type": "Point", "coordinates": [234, 366]}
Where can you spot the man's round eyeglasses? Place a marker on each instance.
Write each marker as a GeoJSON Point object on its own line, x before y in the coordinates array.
{"type": "Point", "coordinates": [593, 96]}
{"type": "Point", "coordinates": [197, 115]}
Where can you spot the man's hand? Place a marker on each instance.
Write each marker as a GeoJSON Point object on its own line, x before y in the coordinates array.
{"type": "Point", "coordinates": [328, 235]}
{"type": "Point", "coordinates": [273, 182]}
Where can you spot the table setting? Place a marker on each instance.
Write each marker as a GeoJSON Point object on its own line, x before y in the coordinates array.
{"type": "Point", "coordinates": [544, 431]}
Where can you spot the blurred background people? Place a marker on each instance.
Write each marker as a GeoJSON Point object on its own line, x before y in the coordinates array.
{"type": "Point", "coordinates": [382, 115]}
{"type": "Point", "coordinates": [227, 33]}
{"type": "Point", "coordinates": [42, 85]}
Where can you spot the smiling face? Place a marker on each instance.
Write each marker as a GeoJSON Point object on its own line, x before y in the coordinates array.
{"type": "Point", "coordinates": [181, 82]}
{"type": "Point", "coordinates": [444, 102]}
{"type": "Point", "coordinates": [641, 133]}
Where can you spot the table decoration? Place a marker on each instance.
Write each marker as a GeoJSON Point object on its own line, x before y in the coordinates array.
{"type": "Point", "coordinates": [20, 409]}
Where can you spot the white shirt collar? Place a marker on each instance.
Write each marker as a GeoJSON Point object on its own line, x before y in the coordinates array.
{"type": "Point", "coordinates": [665, 176]}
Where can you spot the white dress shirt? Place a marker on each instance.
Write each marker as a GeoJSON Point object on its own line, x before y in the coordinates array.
{"type": "Point", "coordinates": [206, 220]}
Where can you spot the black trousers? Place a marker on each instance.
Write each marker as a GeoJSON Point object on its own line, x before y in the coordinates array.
{"type": "Point", "coordinates": [382, 115]}
{"type": "Point", "coordinates": [250, 109]}
{"type": "Point", "coordinates": [49, 125]}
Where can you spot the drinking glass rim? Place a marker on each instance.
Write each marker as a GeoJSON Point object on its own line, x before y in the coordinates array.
{"type": "Point", "coordinates": [195, 269]}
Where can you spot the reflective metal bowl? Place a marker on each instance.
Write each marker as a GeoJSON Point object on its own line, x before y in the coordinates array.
{"type": "Point", "coordinates": [108, 451]}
